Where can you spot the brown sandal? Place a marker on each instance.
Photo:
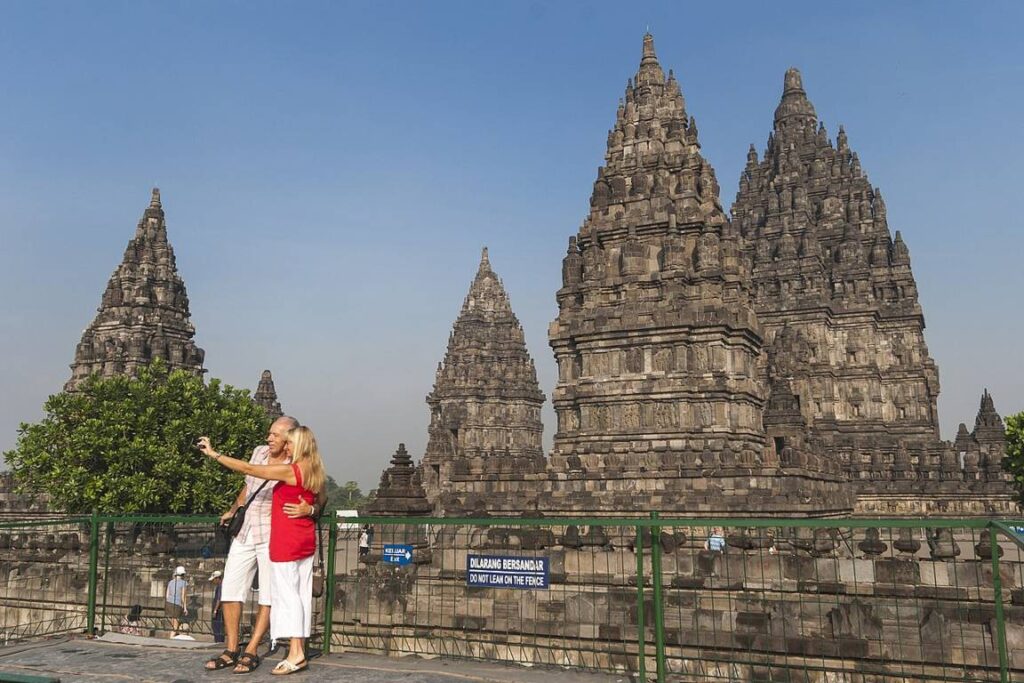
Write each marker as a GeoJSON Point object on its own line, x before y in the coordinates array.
{"type": "Point", "coordinates": [251, 662]}
{"type": "Point", "coordinates": [222, 661]}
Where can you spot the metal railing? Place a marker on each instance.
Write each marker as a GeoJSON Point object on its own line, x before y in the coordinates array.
{"type": "Point", "coordinates": [44, 569]}
{"type": "Point", "coordinates": [699, 599]}
{"type": "Point", "coordinates": [661, 599]}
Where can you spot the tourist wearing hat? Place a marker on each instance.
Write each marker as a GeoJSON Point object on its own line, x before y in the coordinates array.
{"type": "Point", "coordinates": [176, 599]}
{"type": "Point", "coordinates": [216, 615]}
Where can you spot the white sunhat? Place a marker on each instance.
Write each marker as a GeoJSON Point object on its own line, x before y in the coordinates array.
{"type": "Point", "coordinates": [180, 571]}
{"type": "Point", "coordinates": [216, 575]}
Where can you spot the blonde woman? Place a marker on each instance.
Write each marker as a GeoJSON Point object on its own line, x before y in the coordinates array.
{"type": "Point", "coordinates": [292, 540]}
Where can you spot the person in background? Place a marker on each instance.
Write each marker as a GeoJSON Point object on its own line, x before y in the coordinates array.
{"type": "Point", "coordinates": [716, 540]}
{"type": "Point", "coordinates": [292, 539]}
{"type": "Point", "coordinates": [216, 614]}
{"type": "Point", "coordinates": [176, 600]}
{"type": "Point", "coordinates": [364, 541]}
{"type": "Point", "coordinates": [131, 624]}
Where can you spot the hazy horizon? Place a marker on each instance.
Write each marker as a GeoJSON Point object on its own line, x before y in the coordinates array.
{"type": "Point", "coordinates": [331, 171]}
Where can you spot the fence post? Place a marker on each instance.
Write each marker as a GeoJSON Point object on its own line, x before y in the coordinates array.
{"type": "Point", "coordinates": [108, 535]}
{"type": "Point", "coordinates": [997, 589]}
{"type": "Point", "coordinates": [659, 621]}
{"type": "Point", "coordinates": [332, 544]}
{"type": "Point", "coordinates": [641, 644]}
{"type": "Point", "coordinates": [94, 551]}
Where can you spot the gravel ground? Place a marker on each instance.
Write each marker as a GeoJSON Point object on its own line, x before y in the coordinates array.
{"type": "Point", "coordinates": [145, 660]}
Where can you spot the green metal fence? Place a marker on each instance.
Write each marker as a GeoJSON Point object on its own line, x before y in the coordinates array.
{"type": "Point", "coordinates": [44, 570]}
{"type": "Point", "coordinates": [693, 599]}
{"type": "Point", "coordinates": [660, 599]}
{"type": "Point", "coordinates": [84, 574]}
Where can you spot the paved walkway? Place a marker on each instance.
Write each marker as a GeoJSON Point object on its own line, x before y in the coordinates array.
{"type": "Point", "coordinates": [148, 660]}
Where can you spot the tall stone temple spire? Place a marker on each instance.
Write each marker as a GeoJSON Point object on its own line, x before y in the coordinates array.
{"type": "Point", "coordinates": [144, 312]}
{"type": "Point", "coordinates": [266, 396]}
{"type": "Point", "coordinates": [657, 340]}
{"type": "Point", "coordinates": [486, 402]}
{"type": "Point", "coordinates": [838, 303]}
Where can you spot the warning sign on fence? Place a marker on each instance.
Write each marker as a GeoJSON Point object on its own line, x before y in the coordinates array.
{"type": "Point", "coordinates": [496, 571]}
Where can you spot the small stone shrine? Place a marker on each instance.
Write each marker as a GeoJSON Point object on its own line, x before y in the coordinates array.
{"type": "Point", "coordinates": [400, 494]}
{"type": "Point", "coordinates": [400, 491]}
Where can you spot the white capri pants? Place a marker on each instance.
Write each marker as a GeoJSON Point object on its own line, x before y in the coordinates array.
{"type": "Point", "coordinates": [292, 586]}
{"type": "Point", "coordinates": [239, 569]}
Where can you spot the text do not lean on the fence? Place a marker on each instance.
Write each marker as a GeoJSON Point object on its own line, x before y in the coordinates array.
{"type": "Point", "coordinates": [495, 571]}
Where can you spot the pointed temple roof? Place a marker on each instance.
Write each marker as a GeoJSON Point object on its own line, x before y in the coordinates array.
{"type": "Point", "coordinates": [144, 312]}
{"type": "Point", "coordinates": [814, 195]}
{"type": "Point", "coordinates": [400, 491]}
{"type": "Point", "coordinates": [653, 170]}
{"type": "Point", "coordinates": [485, 404]}
{"type": "Point", "coordinates": [817, 238]}
{"type": "Point", "coordinates": [486, 353]}
{"type": "Point", "coordinates": [266, 396]}
{"type": "Point", "coordinates": [988, 426]}
{"type": "Point", "coordinates": [794, 105]}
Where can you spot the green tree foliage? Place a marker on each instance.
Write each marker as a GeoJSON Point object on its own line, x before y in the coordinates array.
{"type": "Point", "coordinates": [127, 444]}
{"type": "Point", "coordinates": [1014, 461]}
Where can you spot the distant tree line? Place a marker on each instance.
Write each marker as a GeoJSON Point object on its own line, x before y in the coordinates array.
{"type": "Point", "coordinates": [347, 496]}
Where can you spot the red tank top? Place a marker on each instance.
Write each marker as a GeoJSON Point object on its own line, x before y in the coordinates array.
{"type": "Point", "coordinates": [291, 539]}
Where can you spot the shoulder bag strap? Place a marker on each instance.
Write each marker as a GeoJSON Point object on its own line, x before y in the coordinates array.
{"type": "Point", "coordinates": [319, 546]}
{"type": "Point", "coordinates": [256, 492]}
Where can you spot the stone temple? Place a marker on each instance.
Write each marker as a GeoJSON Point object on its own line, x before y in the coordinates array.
{"type": "Point", "coordinates": [144, 315]}
{"type": "Point", "coordinates": [771, 362]}
{"type": "Point", "coordinates": [266, 396]}
{"type": "Point", "coordinates": [485, 406]}
{"type": "Point", "coordinates": [144, 312]}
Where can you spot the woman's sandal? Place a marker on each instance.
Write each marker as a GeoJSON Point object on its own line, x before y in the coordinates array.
{"type": "Point", "coordinates": [284, 667]}
{"type": "Point", "coordinates": [222, 661]}
{"type": "Point", "coordinates": [251, 662]}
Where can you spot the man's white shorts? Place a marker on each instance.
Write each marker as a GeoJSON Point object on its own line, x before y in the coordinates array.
{"type": "Point", "coordinates": [243, 561]}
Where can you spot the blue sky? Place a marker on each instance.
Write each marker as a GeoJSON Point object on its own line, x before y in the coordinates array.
{"type": "Point", "coordinates": [331, 170]}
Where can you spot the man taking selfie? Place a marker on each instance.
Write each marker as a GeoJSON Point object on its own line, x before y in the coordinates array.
{"type": "Point", "coordinates": [250, 551]}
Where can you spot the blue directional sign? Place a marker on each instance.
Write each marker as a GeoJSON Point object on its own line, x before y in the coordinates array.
{"type": "Point", "coordinates": [497, 571]}
{"type": "Point", "coordinates": [398, 554]}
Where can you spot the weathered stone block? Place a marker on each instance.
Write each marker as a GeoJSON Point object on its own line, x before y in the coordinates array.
{"type": "Point", "coordinates": [978, 574]}
{"type": "Point", "coordinates": [708, 562]}
{"type": "Point", "coordinates": [854, 571]}
{"type": "Point", "coordinates": [798, 568]}
{"type": "Point", "coordinates": [893, 571]}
